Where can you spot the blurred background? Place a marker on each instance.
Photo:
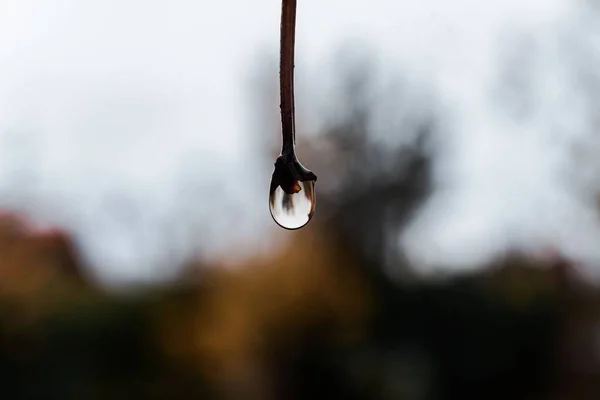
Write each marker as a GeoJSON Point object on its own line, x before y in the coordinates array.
{"type": "Point", "coordinates": [455, 249]}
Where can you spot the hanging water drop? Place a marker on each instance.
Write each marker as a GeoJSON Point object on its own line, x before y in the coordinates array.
{"type": "Point", "coordinates": [292, 194]}
{"type": "Point", "coordinates": [293, 211]}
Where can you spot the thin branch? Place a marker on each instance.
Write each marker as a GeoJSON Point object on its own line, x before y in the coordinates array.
{"type": "Point", "coordinates": [288, 170]}
{"type": "Point", "coordinates": [286, 75]}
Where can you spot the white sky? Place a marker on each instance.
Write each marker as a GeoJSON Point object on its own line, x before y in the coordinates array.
{"type": "Point", "coordinates": [118, 102]}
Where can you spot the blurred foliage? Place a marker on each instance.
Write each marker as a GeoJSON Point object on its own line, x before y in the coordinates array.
{"type": "Point", "coordinates": [335, 314]}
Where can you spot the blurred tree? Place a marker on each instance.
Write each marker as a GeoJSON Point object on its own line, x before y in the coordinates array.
{"type": "Point", "coordinates": [383, 182]}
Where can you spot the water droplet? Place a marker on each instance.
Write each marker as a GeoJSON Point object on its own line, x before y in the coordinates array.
{"type": "Point", "coordinates": [293, 211]}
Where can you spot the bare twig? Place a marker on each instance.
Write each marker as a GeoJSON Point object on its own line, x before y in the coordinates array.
{"type": "Point", "coordinates": [286, 75]}
{"type": "Point", "coordinates": [288, 170]}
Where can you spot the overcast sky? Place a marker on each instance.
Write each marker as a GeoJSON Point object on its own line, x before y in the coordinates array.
{"type": "Point", "coordinates": [117, 103]}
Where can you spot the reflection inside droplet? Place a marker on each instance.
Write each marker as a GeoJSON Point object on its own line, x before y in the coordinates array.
{"type": "Point", "coordinates": [293, 211]}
